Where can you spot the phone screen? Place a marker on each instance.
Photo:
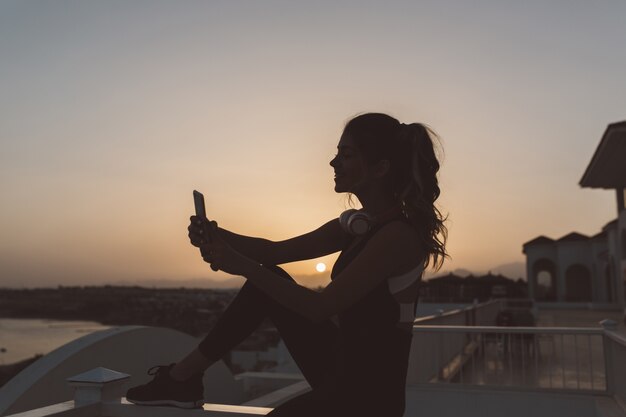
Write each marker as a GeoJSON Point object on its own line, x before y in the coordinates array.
{"type": "Point", "coordinates": [198, 201]}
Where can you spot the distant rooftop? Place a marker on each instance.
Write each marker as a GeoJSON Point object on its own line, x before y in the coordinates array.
{"type": "Point", "coordinates": [607, 168]}
{"type": "Point", "coordinates": [539, 241]}
{"type": "Point", "coordinates": [610, 225]}
{"type": "Point", "coordinates": [573, 237]}
{"type": "Point", "coordinates": [570, 237]}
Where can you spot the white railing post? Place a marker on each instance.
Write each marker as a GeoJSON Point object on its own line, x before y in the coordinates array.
{"type": "Point", "coordinates": [98, 385]}
{"type": "Point", "coordinates": [608, 325]}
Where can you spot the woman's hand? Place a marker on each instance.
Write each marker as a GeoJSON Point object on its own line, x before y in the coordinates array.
{"type": "Point", "coordinates": [196, 230]}
{"type": "Point", "coordinates": [215, 251]}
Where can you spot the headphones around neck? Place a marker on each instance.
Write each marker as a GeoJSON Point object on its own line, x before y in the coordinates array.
{"type": "Point", "coordinates": [359, 222]}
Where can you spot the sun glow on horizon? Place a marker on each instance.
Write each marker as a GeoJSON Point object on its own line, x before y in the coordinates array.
{"type": "Point", "coordinates": [320, 267]}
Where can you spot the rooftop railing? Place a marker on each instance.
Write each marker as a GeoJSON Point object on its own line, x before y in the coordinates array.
{"type": "Point", "coordinates": [615, 354]}
{"type": "Point", "coordinates": [581, 360]}
{"type": "Point", "coordinates": [473, 315]}
{"type": "Point", "coordinates": [519, 357]}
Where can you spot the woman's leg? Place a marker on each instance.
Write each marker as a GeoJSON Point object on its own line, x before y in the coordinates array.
{"type": "Point", "coordinates": [312, 345]}
{"type": "Point", "coordinates": [242, 316]}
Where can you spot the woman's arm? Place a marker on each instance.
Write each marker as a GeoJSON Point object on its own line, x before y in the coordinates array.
{"type": "Point", "coordinates": [328, 238]}
{"type": "Point", "coordinates": [391, 250]}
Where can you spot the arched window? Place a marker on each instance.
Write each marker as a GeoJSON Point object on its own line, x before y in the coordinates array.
{"type": "Point", "coordinates": [577, 283]}
{"type": "Point", "coordinates": [544, 275]}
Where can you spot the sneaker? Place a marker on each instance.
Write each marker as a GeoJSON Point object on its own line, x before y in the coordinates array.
{"type": "Point", "coordinates": [164, 390]}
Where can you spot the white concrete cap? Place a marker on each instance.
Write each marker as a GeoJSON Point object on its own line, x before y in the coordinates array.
{"type": "Point", "coordinates": [609, 324]}
{"type": "Point", "coordinates": [98, 375]}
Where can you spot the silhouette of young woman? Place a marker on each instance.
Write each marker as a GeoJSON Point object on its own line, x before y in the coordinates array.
{"type": "Point", "coordinates": [356, 364]}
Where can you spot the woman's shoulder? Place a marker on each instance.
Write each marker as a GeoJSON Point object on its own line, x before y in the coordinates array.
{"type": "Point", "coordinates": [393, 234]}
{"type": "Point", "coordinates": [400, 236]}
{"type": "Point", "coordinates": [400, 230]}
{"type": "Point", "coordinates": [403, 240]}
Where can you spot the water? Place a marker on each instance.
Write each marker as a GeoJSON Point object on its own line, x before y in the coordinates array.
{"type": "Point", "coordinates": [24, 338]}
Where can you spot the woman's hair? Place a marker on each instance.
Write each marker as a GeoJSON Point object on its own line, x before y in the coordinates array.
{"type": "Point", "coordinates": [412, 179]}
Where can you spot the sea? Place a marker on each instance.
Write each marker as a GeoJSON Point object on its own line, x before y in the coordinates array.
{"type": "Point", "coordinates": [24, 338]}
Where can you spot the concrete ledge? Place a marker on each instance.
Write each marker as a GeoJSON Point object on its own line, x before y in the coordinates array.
{"type": "Point", "coordinates": [65, 409]}
{"type": "Point", "coordinates": [126, 409]}
{"type": "Point", "coordinates": [278, 397]}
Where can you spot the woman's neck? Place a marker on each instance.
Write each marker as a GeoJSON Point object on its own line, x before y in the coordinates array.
{"type": "Point", "coordinates": [375, 204]}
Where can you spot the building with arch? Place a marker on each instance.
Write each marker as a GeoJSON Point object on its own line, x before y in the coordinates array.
{"type": "Point", "coordinates": [587, 269]}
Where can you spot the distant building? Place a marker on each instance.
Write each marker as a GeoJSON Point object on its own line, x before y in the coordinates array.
{"type": "Point", "coordinates": [579, 268]}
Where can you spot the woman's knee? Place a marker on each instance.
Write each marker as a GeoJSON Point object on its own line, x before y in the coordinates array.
{"type": "Point", "coordinates": [250, 288]}
{"type": "Point", "coordinates": [251, 292]}
{"type": "Point", "coordinates": [279, 271]}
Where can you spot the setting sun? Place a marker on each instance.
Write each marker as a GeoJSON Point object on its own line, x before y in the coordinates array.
{"type": "Point", "coordinates": [320, 267]}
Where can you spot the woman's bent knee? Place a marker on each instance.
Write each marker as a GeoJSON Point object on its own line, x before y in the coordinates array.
{"type": "Point", "coordinates": [279, 271]}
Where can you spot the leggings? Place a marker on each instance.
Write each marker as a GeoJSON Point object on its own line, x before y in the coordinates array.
{"type": "Point", "coordinates": [313, 346]}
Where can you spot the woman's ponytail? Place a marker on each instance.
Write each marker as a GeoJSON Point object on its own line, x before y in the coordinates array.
{"type": "Point", "coordinates": [422, 190]}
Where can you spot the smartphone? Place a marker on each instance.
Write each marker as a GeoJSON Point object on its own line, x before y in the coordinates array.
{"type": "Point", "coordinates": [198, 201]}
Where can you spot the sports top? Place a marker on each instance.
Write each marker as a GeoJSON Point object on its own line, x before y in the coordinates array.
{"type": "Point", "coordinates": [373, 347]}
{"type": "Point", "coordinates": [395, 284]}
{"type": "Point", "coordinates": [401, 282]}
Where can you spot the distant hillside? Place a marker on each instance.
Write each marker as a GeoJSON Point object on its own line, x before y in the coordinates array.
{"type": "Point", "coordinates": [513, 270]}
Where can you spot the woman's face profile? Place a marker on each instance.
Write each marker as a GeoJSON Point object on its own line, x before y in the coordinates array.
{"type": "Point", "coordinates": [349, 166]}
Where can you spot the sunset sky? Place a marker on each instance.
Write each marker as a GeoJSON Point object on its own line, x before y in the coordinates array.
{"type": "Point", "coordinates": [111, 113]}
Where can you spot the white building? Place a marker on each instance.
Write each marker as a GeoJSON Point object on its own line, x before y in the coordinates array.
{"type": "Point", "coordinates": [589, 269]}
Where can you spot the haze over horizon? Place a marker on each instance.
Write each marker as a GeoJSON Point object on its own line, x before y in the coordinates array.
{"type": "Point", "coordinates": [514, 271]}
{"type": "Point", "coordinates": [111, 113]}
